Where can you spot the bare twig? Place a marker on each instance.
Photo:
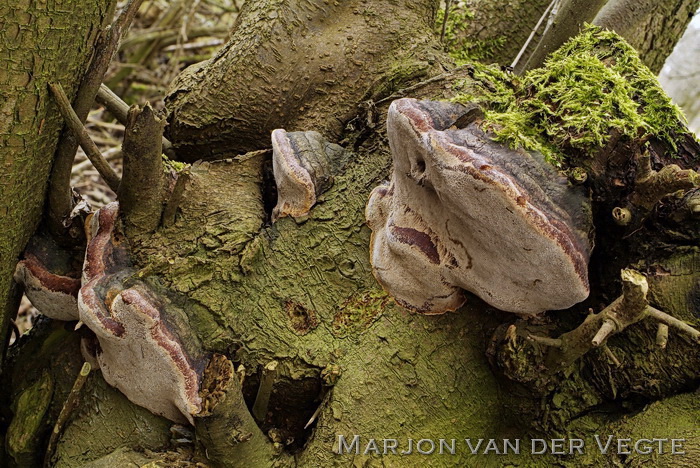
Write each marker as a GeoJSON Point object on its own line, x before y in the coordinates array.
{"type": "Point", "coordinates": [60, 199]}
{"type": "Point", "coordinates": [631, 307]}
{"type": "Point", "coordinates": [662, 336]}
{"type": "Point", "coordinates": [444, 20]}
{"type": "Point", "coordinates": [112, 103]}
{"type": "Point", "coordinates": [679, 325]}
{"type": "Point", "coordinates": [76, 127]}
{"type": "Point", "coordinates": [611, 356]}
{"type": "Point", "coordinates": [545, 340]}
{"type": "Point", "coordinates": [111, 154]}
{"type": "Point", "coordinates": [120, 109]}
{"type": "Point", "coordinates": [66, 411]}
{"type": "Point", "coordinates": [607, 329]}
{"type": "Point", "coordinates": [532, 34]}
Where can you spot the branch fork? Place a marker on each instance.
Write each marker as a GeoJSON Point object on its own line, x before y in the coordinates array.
{"type": "Point", "coordinates": [628, 309]}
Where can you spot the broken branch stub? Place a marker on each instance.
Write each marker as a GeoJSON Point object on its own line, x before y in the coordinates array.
{"type": "Point", "coordinates": [143, 189]}
{"type": "Point", "coordinates": [144, 350]}
{"type": "Point", "coordinates": [463, 212]}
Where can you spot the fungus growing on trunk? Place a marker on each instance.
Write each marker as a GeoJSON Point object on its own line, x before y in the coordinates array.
{"type": "Point", "coordinates": [464, 212]}
{"type": "Point", "coordinates": [303, 165]}
{"type": "Point", "coordinates": [50, 283]}
{"type": "Point", "coordinates": [141, 351]}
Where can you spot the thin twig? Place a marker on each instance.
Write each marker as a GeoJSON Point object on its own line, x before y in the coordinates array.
{"type": "Point", "coordinates": [60, 198]}
{"type": "Point", "coordinates": [662, 335]}
{"type": "Point", "coordinates": [110, 155]}
{"type": "Point", "coordinates": [671, 321]}
{"type": "Point", "coordinates": [606, 329]}
{"type": "Point", "coordinates": [119, 109]}
{"type": "Point", "coordinates": [66, 411]}
{"type": "Point", "coordinates": [546, 341]}
{"type": "Point", "coordinates": [532, 34]}
{"type": "Point", "coordinates": [444, 20]}
{"type": "Point", "coordinates": [611, 356]}
{"type": "Point", "coordinates": [113, 103]}
{"type": "Point", "coordinates": [75, 125]}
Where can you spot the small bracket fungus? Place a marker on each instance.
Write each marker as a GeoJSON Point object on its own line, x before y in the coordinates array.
{"type": "Point", "coordinates": [48, 284]}
{"type": "Point", "coordinates": [140, 349]}
{"type": "Point", "coordinates": [464, 212]}
{"type": "Point", "coordinates": [303, 164]}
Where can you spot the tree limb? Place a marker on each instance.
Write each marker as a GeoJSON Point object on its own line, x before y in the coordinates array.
{"type": "Point", "coordinates": [78, 130]}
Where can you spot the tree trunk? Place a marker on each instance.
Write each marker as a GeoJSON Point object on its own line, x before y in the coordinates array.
{"type": "Point", "coordinates": [42, 43]}
{"type": "Point", "coordinates": [494, 31]}
{"type": "Point", "coordinates": [651, 27]}
{"type": "Point", "coordinates": [569, 19]}
{"type": "Point", "coordinates": [323, 350]}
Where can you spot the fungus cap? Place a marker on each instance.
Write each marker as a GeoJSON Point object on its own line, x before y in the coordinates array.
{"type": "Point", "coordinates": [463, 212]}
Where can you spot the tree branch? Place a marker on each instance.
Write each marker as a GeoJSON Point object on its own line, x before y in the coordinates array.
{"type": "Point", "coordinates": [631, 307]}
{"type": "Point", "coordinates": [142, 192]}
{"type": "Point", "coordinates": [225, 427]}
{"type": "Point", "coordinates": [76, 127]}
{"type": "Point", "coordinates": [60, 200]}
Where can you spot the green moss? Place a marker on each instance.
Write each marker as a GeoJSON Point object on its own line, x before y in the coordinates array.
{"type": "Point", "coordinates": [489, 87]}
{"type": "Point", "coordinates": [176, 166]}
{"type": "Point", "coordinates": [27, 425]}
{"type": "Point", "coordinates": [594, 84]}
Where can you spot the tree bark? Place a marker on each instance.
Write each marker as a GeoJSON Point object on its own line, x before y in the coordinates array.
{"type": "Point", "coordinates": [300, 292]}
{"type": "Point", "coordinates": [567, 22]}
{"type": "Point", "coordinates": [651, 27]}
{"type": "Point", "coordinates": [500, 28]}
{"type": "Point", "coordinates": [42, 43]}
{"type": "Point", "coordinates": [350, 51]}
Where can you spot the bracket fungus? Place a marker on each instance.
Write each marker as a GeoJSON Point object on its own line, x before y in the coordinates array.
{"type": "Point", "coordinates": [463, 212]}
{"type": "Point", "coordinates": [140, 351]}
{"type": "Point", "coordinates": [48, 280]}
{"type": "Point", "coordinates": [303, 164]}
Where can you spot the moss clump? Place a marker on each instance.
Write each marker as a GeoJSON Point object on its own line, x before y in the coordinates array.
{"type": "Point", "coordinates": [592, 85]}
{"type": "Point", "coordinates": [457, 36]}
{"type": "Point", "coordinates": [175, 166]}
{"type": "Point", "coordinates": [489, 87]}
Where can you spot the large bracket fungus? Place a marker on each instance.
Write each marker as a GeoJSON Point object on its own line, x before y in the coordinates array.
{"type": "Point", "coordinates": [463, 212]}
{"type": "Point", "coordinates": [141, 350]}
